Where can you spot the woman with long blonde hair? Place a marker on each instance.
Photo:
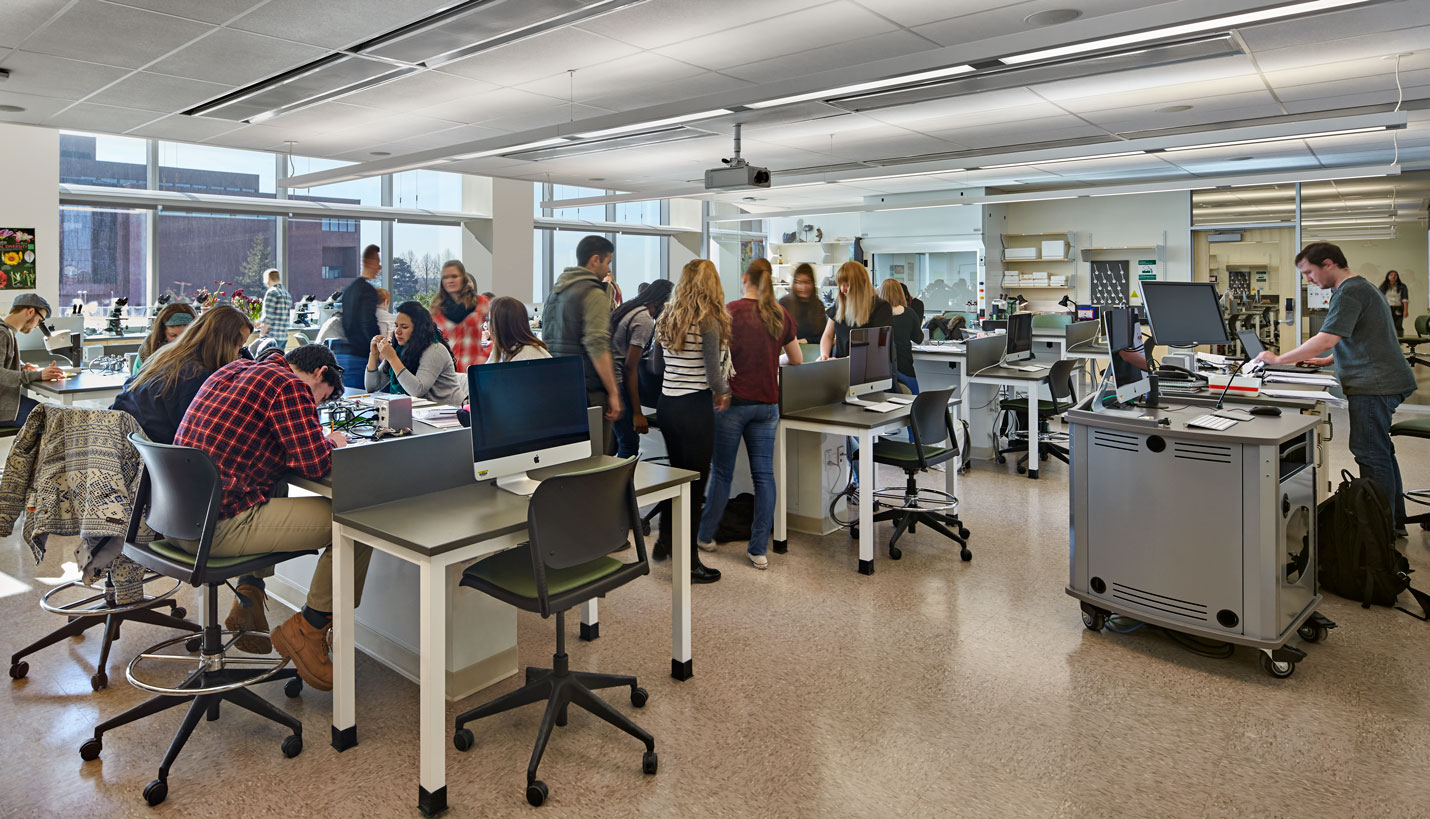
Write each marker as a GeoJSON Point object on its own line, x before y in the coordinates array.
{"type": "Point", "coordinates": [907, 332]}
{"type": "Point", "coordinates": [855, 305]}
{"type": "Point", "coordinates": [759, 329]}
{"type": "Point", "coordinates": [694, 336]}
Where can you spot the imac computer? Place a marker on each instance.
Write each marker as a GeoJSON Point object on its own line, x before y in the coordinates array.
{"type": "Point", "coordinates": [1129, 381]}
{"type": "Point", "coordinates": [1020, 338]}
{"type": "Point", "coordinates": [871, 360]}
{"type": "Point", "coordinates": [527, 415]}
{"type": "Point", "coordinates": [1184, 314]}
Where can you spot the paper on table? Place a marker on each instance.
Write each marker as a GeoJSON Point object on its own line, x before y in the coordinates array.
{"type": "Point", "coordinates": [1315, 379]}
{"type": "Point", "coordinates": [1304, 395]}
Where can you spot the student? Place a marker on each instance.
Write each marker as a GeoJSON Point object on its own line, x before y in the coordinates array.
{"type": "Point", "coordinates": [855, 305]}
{"type": "Point", "coordinates": [359, 316]}
{"type": "Point", "coordinates": [512, 339]}
{"type": "Point", "coordinates": [168, 326]}
{"type": "Point", "coordinates": [26, 313]}
{"type": "Point", "coordinates": [386, 322]}
{"type": "Point", "coordinates": [632, 329]}
{"type": "Point", "coordinates": [576, 320]}
{"type": "Point", "coordinates": [804, 305]}
{"type": "Point", "coordinates": [276, 321]}
{"type": "Point", "coordinates": [332, 328]}
{"type": "Point", "coordinates": [460, 313]}
{"type": "Point", "coordinates": [1369, 363]}
{"type": "Point", "coordinates": [609, 280]}
{"type": "Point", "coordinates": [1397, 296]}
{"type": "Point", "coordinates": [759, 329]}
{"type": "Point", "coordinates": [694, 335]}
{"type": "Point", "coordinates": [415, 360]}
{"type": "Point", "coordinates": [258, 421]}
{"type": "Point", "coordinates": [160, 393]}
{"type": "Point", "coordinates": [914, 304]}
{"type": "Point", "coordinates": [907, 332]}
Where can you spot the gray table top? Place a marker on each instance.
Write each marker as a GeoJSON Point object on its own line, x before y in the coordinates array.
{"type": "Point", "coordinates": [1259, 430]}
{"type": "Point", "coordinates": [86, 381]}
{"type": "Point", "coordinates": [1092, 347]}
{"type": "Point", "coordinates": [443, 521]}
{"type": "Point", "coordinates": [1045, 369]}
{"type": "Point", "coordinates": [847, 415]}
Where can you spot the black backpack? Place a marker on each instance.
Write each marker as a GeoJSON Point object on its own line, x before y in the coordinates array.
{"type": "Point", "coordinates": [1357, 555]}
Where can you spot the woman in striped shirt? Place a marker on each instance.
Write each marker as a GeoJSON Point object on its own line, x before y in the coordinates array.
{"type": "Point", "coordinates": [694, 335]}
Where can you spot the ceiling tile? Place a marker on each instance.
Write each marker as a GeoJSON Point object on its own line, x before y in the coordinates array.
{"type": "Point", "coordinates": [236, 58]}
{"type": "Point", "coordinates": [912, 115]}
{"type": "Point", "coordinates": [334, 23]}
{"type": "Point", "coordinates": [623, 80]}
{"type": "Point", "coordinates": [327, 116]}
{"type": "Point", "coordinates": [838, 55]}
{"type": "Point", "coordinates": [47, 76]}
{"type": "Point", "coordinates": [37, 109]}
{"type": "Point", "coordinates": [105, 119]}
{"type": "Point", "coordinates": [22, 17]}
{"type": "Point", "coordinates": [662, 22]}
{"type": "Point", "coordinates": [255, 137]}
{"type": "Point", "coordinates": [554, 115]}
{"type": "Point", "coordinates": [158, 92]}
{"type": "Point", "coordinates": [1346, 48]}
{"type": "Point", "coordinates": [490, 106]}
{"type": "Point", "coordinates": [1010, 19]}
{"type": "Point", "coordinates": [1414, 84]}
{"type": "Point", "coordinates": [1142, 118]}
{"type": "Point", "coordinates": [995, 137]}
{"type": "Point", "coordinates": [660, 93]}
{"type": "Point", "coordinates": [439, 139]}
{"type": "Point", "coordinates": [1322, 28]}
{"type": "Point", "coordinates": [919, 12]}
{"type": "Point", "coordinates": [830, 24]}
{"type": "Point", "coordinates": [206, 11]}
{"type": "Point", "coordinates": [416, 91]}
{"type": "Point", "coordinates": [555, 52]}
{"type": "Point", "coordinates": [124, 36]}
{"type": "Point", "coordinates": [180, 128]}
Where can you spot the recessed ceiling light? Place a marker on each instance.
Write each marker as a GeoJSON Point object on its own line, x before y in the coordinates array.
{"type": "Point", "coordinates": [11, 109]}
{"type": "Point", "coordinates": [1172, 109]}
{"type": "Point", "coordinates": [382, 153]}
{"type": "Point", "coordinates": [1052, 17]}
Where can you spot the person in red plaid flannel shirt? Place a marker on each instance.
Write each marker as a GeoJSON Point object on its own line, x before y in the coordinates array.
{"type": "Point", "coordinates": [461, 314]}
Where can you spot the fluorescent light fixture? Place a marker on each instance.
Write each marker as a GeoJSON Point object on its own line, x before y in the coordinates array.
{"type": "Point", "coordinates": [1136, 193]}
{"type": "Point", "coordinates": [655, 123]}
{"type": "Point", "coordinates": [1056, 161]}
{"type": "Point", "coordinates": [901, 175]}
{"type": "Point", "coordinates": [1214, 24]}
{"type": "Point", "coordinates": [263, 117]}
{"type": "Point", "coordinates": [1316, 135]}
{"type": "Point", "coordinates": [525, 146]}
{"type": "Point", "coordinates": [951, 71]}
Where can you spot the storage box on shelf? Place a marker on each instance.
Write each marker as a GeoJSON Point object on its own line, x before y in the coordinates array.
{"type": "Point", "coordinates": [824, 257]}
{"type": "Point", "coordinates": [1053, 254]}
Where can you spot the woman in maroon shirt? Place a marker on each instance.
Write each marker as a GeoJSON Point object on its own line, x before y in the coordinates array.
{"type": "Point", "coordinates": [759, 329]}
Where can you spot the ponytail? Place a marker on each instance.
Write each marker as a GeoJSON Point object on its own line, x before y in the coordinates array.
{"type": "Point", "coordinates": [772, 315]}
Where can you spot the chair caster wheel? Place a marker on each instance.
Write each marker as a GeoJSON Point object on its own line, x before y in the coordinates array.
{"type": "Point", "coordinates": [650, 762]}
{"type": "Point", "coordinates": [19, 670]}
{"type": "Point", "coordinates": [1022, 470]}
{"type": "Point", "coordinates": [179, 612]}
{"type": "Point", "coordinates": [1279, 670]}
{"type": "Point", "coordinates": [645, 528]}
{"type": "Point", "coordinates": [964, 533]}
{"type": "Point", "coordinates": [1093, 620]}
{"type": "Point", "coordinates": [965, 555]}
{"type": "Point", "coordinates": [854, 532]}
{"type": "Point", "coordinates": [89, 751]}
{"type": "Point", "coordinates": [293, 688]}
{"type": "Point", "coordinates": [536, 793]}
{"type": "Point", "coordinates": [156, 792]}
{"type": "Point", "coordinates": [193, 644]}
{"type": "Point", "coordinates": [463, 740]}
{"type": "Point", "coordinates": [639, 696]}
{"type": "Point", "coordinates": [292, 746]}
{"type": "Point", "coordinates": [99, 681]}
{"type": "Point", "coordinates": [895, 553]}
{"type": "Point", "coordinates": [1002, 460]}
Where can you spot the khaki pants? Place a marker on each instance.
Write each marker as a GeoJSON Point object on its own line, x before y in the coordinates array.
{"type": "Point", "coordinates": [289, 525]}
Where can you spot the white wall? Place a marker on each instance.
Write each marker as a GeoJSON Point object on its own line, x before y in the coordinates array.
{"type": "Point", "coordinates": [499, 251]}
{"type": "Point", "coordinates": [1405, 254]}
{"type": "Point", "coordinates": [32, 200]}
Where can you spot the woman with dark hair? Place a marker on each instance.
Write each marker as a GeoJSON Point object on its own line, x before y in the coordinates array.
{"type": "Point", "coordinates": [168, 326]}
{"type": "Point", "coordinates": [804, 305]}
{"type": "Point", "coordinates": [632, 328]}
{"type": "Point", "coordinates": [415, 360]}
{"type": "Point", "coordinates": [1397, 295]}
{"type": "Point", "coordinates": [512, 339]}
{"type": "Point", "coordinates": [460, 312]}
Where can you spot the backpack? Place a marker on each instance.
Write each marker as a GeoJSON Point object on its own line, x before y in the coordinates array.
{"type": "Point", "coordinates": [1357, 556]}
{"type": "Point", "coordinates": [738, 520]}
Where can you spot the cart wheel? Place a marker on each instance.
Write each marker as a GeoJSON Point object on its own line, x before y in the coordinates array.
{"type": "Point", "coordinates": [1312, 633]}
{"type": "Point", "coordinates": [1002, 460]}
{"type": "Point", "coordinates": [1093, 620]}
{"type": "Point", "coordinates": [180, 612]}
{"type": "Point", "coordinates": [1277, 669]}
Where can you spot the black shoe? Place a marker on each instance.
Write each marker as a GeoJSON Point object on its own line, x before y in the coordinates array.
{"type": "Point", "coordinates": [660, 551]}
{"type": "Point", "coordinates": [701, 573]}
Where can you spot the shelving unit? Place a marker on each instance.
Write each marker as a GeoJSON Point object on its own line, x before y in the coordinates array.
{"type": "Point", "coordinates": [824, 257]}
{"type": "Point", "coordinates": [1036, 241]}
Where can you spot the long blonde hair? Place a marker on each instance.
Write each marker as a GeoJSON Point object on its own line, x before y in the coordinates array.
{"type": "Point", "coordinates": [210, 342]}
{"type": "Point", "coordinates": [698, 303]}
{"type": "Point", "coordinates": [893, 292]}
{"type": "Point", "coordinates": [759, 275]}
{"type": "Point", "coordinates": [854, 307]}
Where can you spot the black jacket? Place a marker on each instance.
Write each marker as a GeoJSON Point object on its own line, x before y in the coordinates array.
{"type": "Point", "coordinates": [159, 415]}
{"type": "Point", "coordinates": [360, 314]}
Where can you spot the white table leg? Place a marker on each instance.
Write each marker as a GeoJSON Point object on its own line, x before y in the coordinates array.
{"type": "Point", "coordinates": [432, 696]}
{"type": "Point", "coordinates": [344, 653]}
{"type": "Point", "coordinates": [67, 398]}
{"type": "Point", "coordinates": [681, 666]}
{"type": "Point", "coordinates": [1034, 389]}
{"type": "Point", "coordinates": [866, 501]}
{"type": "Point", "coordinates": [780, 535]}
{"type": "Point", "coordinates": [590, 624]}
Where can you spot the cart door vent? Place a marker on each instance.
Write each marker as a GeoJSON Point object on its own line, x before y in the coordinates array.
{"type": "Point", "coordinates": [1115, 440]}
{"type": "Point", "coordinates": [1212, 453]}
{"type": "Point", "coordinates": [1160, 602]}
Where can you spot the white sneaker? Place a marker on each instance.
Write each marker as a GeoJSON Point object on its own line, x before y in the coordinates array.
{"type": "Point", "coordinates": [760, 561]}
{"type": "Point", "coordinates": [706, 547]}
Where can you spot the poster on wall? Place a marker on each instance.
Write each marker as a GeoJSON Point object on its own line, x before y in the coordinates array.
{"type": "Point", "coordinates": [17, 258]}
{"type": "Point", "coordinates": [750, 249]}
{"type": "Point", "coordinates": [1110, 282]}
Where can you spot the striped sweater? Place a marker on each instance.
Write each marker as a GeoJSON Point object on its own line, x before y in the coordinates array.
{"type": "Point", "coordinates": [695, 368]}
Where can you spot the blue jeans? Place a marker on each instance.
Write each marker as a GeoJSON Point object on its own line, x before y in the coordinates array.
{"type": "Point", "coordinates": [1373, 449]}
{"type": "Point", "coordinates": [755, 423]}
{"type": "Point", "coordinates": [628, 442]}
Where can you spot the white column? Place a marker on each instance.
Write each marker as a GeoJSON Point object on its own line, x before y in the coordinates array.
{"type": "Point", "coordinates": [498, 251]}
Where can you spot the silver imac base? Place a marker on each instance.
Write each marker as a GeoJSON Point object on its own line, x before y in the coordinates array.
{"type": "Point", "coordinates": [518, 484]}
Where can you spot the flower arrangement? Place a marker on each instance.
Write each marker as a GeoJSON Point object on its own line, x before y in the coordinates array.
{"type": "Point", "coordinates": [248, 305]}
{"type": "Point", "coordinates": [206, 298]}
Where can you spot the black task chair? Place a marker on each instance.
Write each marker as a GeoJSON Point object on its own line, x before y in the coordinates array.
{"type": "Point", "coordinates": [574, 521]}
{"type": "Point", "coordinates": [1415, 428]}
{"type": "Point", "coordinates": [1060, 386]}
{"type": "Point", "coordinates": [1422, 336]}
{"type": "Point", "coordinates": [934, 443]}
{"type": "Point", "coordinates": [181, 492]}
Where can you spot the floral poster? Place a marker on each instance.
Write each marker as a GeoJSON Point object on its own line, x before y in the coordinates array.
{"type": "Point", "coordinates": [17, 258]}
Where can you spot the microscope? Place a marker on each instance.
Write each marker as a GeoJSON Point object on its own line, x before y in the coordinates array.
{"type": "Point", "coordinates": [115, 324]}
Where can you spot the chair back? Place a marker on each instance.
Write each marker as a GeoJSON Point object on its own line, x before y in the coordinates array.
{"type": "Point", "coordinates": [1422, 325]}
{"type": "Point", "coordinates": [182, 492]}
{"type": "Point", "coordinates": [1060, 383]}
{"type": "Point", "coordinates": [576, 518]}
{"type": "Point", "coordinates": [930, 422]}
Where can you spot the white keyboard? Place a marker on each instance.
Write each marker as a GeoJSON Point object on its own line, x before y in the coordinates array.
{"type": "Point", "coordinates": [1212, 422]}
{"type": "Point", "coordinates": [884, 406]}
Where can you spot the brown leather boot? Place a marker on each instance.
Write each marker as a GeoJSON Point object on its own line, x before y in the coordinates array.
{"type": "Point", "coordinates": [307, 647]}
{"type": "Point", "coordinates": [252, 618]}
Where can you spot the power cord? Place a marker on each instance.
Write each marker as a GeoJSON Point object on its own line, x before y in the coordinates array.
{"type": "Point", "coordinates": [1118, 624]}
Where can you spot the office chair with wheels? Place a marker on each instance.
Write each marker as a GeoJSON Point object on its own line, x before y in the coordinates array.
{"type": "Point", "coordinates": [181, 492]}
{"type": "Point", "coordinates": [934, 443]}
{"type": "Point", "coordinates": [574, 521]}
{"type": "Point", "coordinates": [1422, 336]}
{"type": "Point", "coordinates": [1060, 386]}
{"type": "Point", "coordinates": [1415, 428]}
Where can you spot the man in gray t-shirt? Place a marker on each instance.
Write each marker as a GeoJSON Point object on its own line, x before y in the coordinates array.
{"type": "Point", "coordinates": [1369, 363]}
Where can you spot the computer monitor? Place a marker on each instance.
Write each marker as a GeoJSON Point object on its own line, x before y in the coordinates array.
{"type": "Point", "coordinates": [871, 360]}
{"type": "Point", "coordinates": [1020, 337]}
{"type": "Point", "coordinates": [1251, 343]}
{"type": "Point", "coordinates": [1184, 314]}
{"type": "Point", "coordinates": [525, 415]}
{"type": "Point", "coordinates": [1129, 380]}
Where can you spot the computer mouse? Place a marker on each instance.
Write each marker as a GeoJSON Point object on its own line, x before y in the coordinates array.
{"type": "Point", "coordinates": [1265, 410]}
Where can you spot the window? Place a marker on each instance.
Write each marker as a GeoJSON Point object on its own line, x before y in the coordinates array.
{"type": "Point", "coordinates": [419, 251]}
{"type": "Point", "coordinates": [638, 260]}
{"type": "Point", "coordinates": [102, 249]}
{"type": "Point", "coordinates": [589, 213]}
{"type": "Point", "coordinates": [320, 250]}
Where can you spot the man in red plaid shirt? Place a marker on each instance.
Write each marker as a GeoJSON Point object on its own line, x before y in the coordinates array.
{"type": "Point", "coordinates": [258, 420]}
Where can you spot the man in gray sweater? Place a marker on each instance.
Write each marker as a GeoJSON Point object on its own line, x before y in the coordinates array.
{"type": "Point", "coordinates": [576, 320]}
{"type": "Point", "coordinates": [28, 311]}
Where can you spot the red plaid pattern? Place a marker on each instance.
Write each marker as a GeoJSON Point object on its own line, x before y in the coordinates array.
{"type": "Point", "coordinates": [257, 420]}
{"type": "Point", "coordinates": [465, 337]}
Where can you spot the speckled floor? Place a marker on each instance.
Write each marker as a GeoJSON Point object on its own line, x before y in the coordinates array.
{"type": "Point", "coordinates": [934, 688]}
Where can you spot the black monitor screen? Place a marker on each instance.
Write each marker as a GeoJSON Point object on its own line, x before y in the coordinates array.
{"type": "Point", "coordinates": [1184, 314]}
{"type": "Point", "coordinates": [1020, 333]}
{"type": "Point", "coordinates": [871, 357]}
{"type": "Point", "coordinates": [525, 406]}
{"type": "Point", "coordinates": [1250, 343]}
{"type": "Point", "coordinates": [1123, 333]}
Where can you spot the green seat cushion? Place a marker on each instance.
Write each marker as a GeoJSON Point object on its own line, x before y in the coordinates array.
{"type": "Point", "coordinates": [903, 452]}
{"type": "Point", "coordinates": [1415, 428]}
{"type": "Point", "coordinates": [1415, 339]}
{"type": "Point", "coordinates": [176, 553]}
{"type": "Point", "coordinates": [511, 570]}
{"type": "Point", "coordinates": [1020, 405]}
